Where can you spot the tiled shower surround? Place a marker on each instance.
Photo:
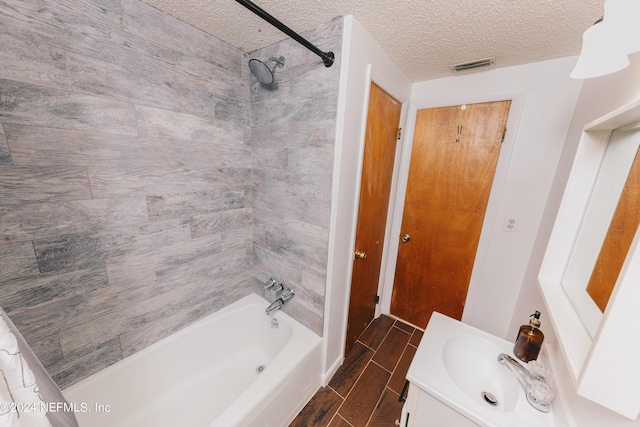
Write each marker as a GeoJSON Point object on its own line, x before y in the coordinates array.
{"type": "Point", "coordinates": [146, 180]}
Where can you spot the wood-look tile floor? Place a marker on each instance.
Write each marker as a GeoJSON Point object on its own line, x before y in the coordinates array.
{"type": "Point", "coordinates": [364, 391]}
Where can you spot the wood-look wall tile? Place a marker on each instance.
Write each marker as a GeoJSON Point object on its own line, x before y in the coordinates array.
{"type": "Point", "coordinates": [131, 81]}
{"type": "Point", "coordinates": [32, 184]}
{"type": "Point", "coordinates": [18, 260]}
{"type": "Point", "coordinates": [183, 152]}
{"type": "Point", "coordinates": [265, 222]}
{"type": "Point", "coordinates": [47, 349]}
{"type": "Point", "coordinates": [233, 110]}
{"type": "Point", "coordinates": [136, 81]}
{"type": "Point", "coordinates": [307, 107]}
{"type": "Point", "coordinates": [208, 273]}
{"type": "Point", "coordinates": [233, 278]}
{"type": "Point", "coordinates": [95, 17]}
{"type": "Point", "coordinates": [44, 146]}
{"type": "Point", "coordinates": [87, 337]}
{"type": "Point", "coordinates": [60, 23]}
{"type": "Point", "coordinates": [298, 196]}
{"type": "Point", "coordinates": [217, 222]}
{"type": "Point", "coordinates": [81, 251]}
{"type": "Point", "coordinates": [34, 291]}
{"type": "Point", "coordinates": [41, 220]}
{"type": "Point", "coordinates": [84, 339]}
{"type": "Point", "coordinates": [145, 335]}
{"type": "Point", "coordinates": [34, 145]}
{"type": "Point", "coordinates": [147, 22]}
{"type": "Point", "coordinates": [310, 307]}
{"type": "Point", "coordinates": [188, 204]}
{"type": "Point", "coordinates": [270, 158]}
{"type": "Point", "coordinates": [134, 267]}
{"type": "Point", "coordinates": [58, 315]}
{"type": "Point", "coordinates": [71, 371]}
{"type": "Point", "coordinates": [293, 135]}
{"type": "Point", "coordinates": [24, 103]}
{"type": "Point", "coordinates": [272, 261]}
{"type": "Point", "coordinates": [311, 160]}
{"type": "Point", "coordinates": [5, 154]}
{"type": "Point", "coordinates": [159, 123]}
{"type": "Point", "coordinates": [31, 61]}
{"type": "Point", "coordinates": [215, 73]}
{"type": "Point", "coordinates": [238, 286]}
{"type": "Point", "coordinates": [130, 180]}
{"type": "Point", "coordinates": [303, 254]}
{"type": "Point", "coordinates": [239, 238]}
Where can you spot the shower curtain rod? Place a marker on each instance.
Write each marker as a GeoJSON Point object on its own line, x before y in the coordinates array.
{"type": "Point", "coordinates": [327, 57]}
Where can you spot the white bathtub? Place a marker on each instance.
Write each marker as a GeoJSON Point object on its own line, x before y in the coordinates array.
{"type": "Point", "coordinates": [207, 375]}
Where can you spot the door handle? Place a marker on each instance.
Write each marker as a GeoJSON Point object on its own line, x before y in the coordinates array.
{"type": "Point", "coordinates": [405, 238]}
{"type": "Point", "coordinates": [359, 254]}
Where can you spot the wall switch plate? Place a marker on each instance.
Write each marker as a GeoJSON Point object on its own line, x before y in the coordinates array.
{"type": "Point", "coordinates": [510, 224]}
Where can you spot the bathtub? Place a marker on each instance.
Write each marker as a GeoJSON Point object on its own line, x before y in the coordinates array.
{"type": "Point", "coordinates": [232, 368]}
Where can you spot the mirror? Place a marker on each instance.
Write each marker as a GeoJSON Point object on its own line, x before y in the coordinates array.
{"type": "Point", "coordinates": [606, 230]}
{"type": "Point", "coordinates": [598, 348]}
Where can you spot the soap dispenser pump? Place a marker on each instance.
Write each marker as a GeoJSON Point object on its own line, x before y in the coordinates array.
{"type": "Point", "coordinates": [529, 339]}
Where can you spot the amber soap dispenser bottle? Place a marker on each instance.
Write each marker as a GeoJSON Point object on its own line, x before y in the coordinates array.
{"type": "Point", "coordinates": [529, 339]}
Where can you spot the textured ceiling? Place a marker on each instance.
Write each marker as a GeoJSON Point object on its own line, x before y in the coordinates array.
{"type": "Point", "coordinates": [423, 37]}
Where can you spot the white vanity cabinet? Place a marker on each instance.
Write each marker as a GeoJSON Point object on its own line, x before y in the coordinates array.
{"type": "Point", "coordinates": [423, 410]}
{"type": "Point", "coordinates": [455, 379]}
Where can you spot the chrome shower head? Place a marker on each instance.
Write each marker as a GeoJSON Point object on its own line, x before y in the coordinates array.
{"type": "Point", "coordinates": [261, 70]}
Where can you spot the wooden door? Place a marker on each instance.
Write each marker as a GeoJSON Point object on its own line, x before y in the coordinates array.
{"type": "Point", "coordinates": [377, 170]}
{"type": "Point", "coordinates": [453, 160]}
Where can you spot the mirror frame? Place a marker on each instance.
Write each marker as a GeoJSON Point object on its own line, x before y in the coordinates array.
{"type": "Point", "coordinates": [603, 368]}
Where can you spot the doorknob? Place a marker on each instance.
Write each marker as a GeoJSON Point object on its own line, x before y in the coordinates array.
{"type": "Point", "coordinates": [405, 238]}
{"type": "Point", "coordinates": [359, 254]}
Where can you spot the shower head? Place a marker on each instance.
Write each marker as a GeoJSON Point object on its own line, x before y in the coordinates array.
{"type": "Point", "coordinates": [261, 70]}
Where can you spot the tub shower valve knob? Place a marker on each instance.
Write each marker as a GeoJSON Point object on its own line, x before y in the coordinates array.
{"type": "Point", "coordinates": [270, 283]}
{"type": "Point", "coordinates": [287, 294]}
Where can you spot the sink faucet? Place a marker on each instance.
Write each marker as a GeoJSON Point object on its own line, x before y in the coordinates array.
{"type": "Point", "coordinates": [539, 394]}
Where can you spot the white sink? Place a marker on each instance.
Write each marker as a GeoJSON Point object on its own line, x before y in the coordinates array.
{"type": "Point", "coordinates": [471, 362]}
{"type": "Point", "coordinates": [458, 365]}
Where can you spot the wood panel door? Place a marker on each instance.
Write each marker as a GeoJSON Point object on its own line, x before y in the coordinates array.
{"type": "Point", "coordinates": [453, 161]}
{"type": "Point", "coordinates": [377, 170]}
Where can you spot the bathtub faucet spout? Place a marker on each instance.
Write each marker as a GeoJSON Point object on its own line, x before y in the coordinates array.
{"type": "Point", "coordinates": [283, 294]}
{"type": "Point", "coordinates": [276, 305]}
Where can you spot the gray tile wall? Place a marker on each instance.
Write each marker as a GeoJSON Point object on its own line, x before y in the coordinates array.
{"type": "Point", "coordinates": [125, 178]}
{"type": "Point", "coordinates": [293, 143]}
{"type": "Point", "coordinates": [146, 180]}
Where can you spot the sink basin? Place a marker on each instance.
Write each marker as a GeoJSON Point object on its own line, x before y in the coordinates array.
{"type": "Point", "coordinates": [457, 364]}
{"type": "Point", "coordinates": [471, 362]}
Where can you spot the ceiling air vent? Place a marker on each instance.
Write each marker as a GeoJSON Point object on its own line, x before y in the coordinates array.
{"type": "Point", "coordinates": [469, 67]}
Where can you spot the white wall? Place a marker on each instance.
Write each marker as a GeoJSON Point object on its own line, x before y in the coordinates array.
{"type": "Point", "coordinates": [544, 99]}
{"type": "Point", "coordinates": [597, 97]}
{"type": "Point", "coordinates": [363, 61]}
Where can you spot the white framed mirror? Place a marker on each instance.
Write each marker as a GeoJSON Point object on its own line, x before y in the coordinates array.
{"type": "Point", "coordinates": [596, 346]}
{"type": "Point", "coordinates": [597, 228]}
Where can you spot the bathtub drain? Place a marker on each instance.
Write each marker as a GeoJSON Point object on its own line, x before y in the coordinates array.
{"type": "Point", "coordinates": [260, 368]}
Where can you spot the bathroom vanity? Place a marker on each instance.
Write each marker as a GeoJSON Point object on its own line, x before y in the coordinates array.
{"type": "Point", "coordinates": [455, 379]}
